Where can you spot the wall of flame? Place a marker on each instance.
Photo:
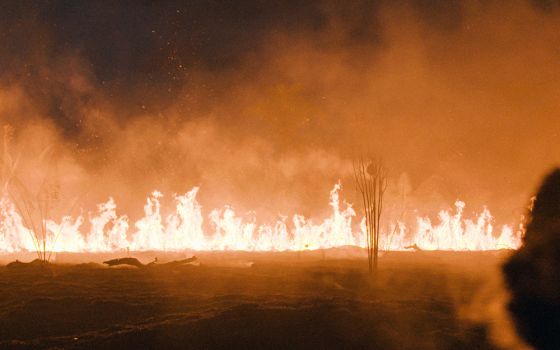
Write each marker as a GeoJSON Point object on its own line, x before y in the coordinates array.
{"type": "Point", "coordinates": [184, 229]}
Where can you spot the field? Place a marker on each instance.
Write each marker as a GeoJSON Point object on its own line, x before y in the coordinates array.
{"type": "Point", "coordinates": [319, 300]}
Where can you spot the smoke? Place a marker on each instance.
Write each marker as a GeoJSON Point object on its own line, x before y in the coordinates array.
{"type": "Point", "coordinates": [488, 307]}
{"type": "Point", "coordinates": [265, 106]}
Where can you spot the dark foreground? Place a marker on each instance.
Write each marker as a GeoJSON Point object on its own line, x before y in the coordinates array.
{"type": "Point", "coordinates": [280, 301]}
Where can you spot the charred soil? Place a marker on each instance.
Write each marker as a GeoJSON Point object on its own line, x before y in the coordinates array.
{"type": "Point", "coordinates": [249, 301]}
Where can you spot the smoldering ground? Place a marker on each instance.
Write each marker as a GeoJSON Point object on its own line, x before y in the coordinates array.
{"type": "Point", "coordinates": [286, 299]}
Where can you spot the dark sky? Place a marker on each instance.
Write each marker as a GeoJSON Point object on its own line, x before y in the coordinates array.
{"type": "Point", "coordinates": [268, 101]}
{"type": "Point", "coordinates": [142, 47]}
{"type": "Point", "coordinates": [135, 49]}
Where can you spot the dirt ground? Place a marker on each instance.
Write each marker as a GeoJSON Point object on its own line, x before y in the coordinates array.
{"type": "Point", "coordinates": [316, 300]}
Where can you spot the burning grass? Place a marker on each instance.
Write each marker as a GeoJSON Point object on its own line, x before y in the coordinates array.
{"type": "Point", "coordinates": [185, 229]}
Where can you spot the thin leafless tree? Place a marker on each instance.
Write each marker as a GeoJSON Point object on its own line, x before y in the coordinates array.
{"type": "Point", "coordinates": [35, 207]}
{"type": "Point", "coordinates": [371, 181]}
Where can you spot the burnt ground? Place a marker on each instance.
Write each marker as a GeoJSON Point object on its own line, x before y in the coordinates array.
{"type": "Point", "coordinates": [243, 300]}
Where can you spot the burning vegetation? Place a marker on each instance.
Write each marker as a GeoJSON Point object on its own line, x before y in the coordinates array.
{"type": "Point", "coordinates": [183, 229]}
{"type": "Point", "coordinates": [28, 222]}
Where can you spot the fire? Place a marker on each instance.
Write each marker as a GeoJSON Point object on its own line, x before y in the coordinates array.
{"type": "Point", "coordinates": [184, 229]}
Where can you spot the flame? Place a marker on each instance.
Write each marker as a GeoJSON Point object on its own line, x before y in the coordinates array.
{"type": "Point", "coordinates": [183, 229]}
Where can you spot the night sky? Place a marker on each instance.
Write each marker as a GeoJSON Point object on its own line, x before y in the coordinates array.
{"type": "Point", "coordinates": [137, 50]}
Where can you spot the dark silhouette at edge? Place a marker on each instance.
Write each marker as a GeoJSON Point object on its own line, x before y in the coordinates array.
{"type": "Point", "coordinates": [533, 272]}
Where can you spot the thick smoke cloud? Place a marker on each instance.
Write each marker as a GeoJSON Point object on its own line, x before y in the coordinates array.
{"type": "Point", "coordinates": [265, 104]}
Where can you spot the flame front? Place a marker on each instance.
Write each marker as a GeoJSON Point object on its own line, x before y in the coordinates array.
{"type": "Point", "coordinates": [183, 229]}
